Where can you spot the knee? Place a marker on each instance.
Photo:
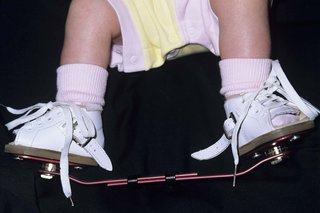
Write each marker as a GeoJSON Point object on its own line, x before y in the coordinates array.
{"type": "Point", "coordinates": [97, 14]}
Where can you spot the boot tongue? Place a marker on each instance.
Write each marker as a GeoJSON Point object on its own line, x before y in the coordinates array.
{"type": "Point", "coordinates": [236, 104]}
{"type": "Point", "coordinates": [280, 116]}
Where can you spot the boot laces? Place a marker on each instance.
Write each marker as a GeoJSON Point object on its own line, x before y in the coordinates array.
{"type": "Point", "coordinates": [39, 113]}
{"type": "Point", "coordinates": [275, 92]}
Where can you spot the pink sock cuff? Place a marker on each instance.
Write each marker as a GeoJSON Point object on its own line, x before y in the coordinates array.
{"type": "Point", "coordinates": [243, 75]}
{"type": "Point", "coordinates": [81, 83]}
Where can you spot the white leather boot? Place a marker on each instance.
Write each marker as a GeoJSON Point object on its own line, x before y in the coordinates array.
{"type": "Point", "coordinates": [61, 131]}
{"type": "Point", "coordinates": [256, 118]}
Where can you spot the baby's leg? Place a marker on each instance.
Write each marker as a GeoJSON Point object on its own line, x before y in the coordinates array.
{"type": "Point", "coordinates": [244, 43]}
{"type": "Point", "coordinates": [71, 128]}
{"type": "Point", "coordinates": [244, 28]}
{"type": "Point", "coordinates": [261, 104]}
{"type": "Point", "coordinates": [91, 27]}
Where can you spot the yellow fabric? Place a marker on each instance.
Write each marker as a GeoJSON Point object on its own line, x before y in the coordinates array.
{"type": "Point", "coordinates": [190, 49]}
{"type": "Point", "coordinates": [158, 28]}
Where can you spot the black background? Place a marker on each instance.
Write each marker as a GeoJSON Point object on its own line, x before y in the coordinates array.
{"type": "Point", "coordinates": [153, 120]}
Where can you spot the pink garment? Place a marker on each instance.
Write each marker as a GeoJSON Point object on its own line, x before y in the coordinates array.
{"type": "Point", "coordinates": [198, 25]}
{"type": "Point", "coordinates": [81, 83]}
{"type": "Point", "coordinates": [243, 75]}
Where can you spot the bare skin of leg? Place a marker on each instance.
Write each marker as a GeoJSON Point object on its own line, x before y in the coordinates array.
{"type": "Point", "coordinates": [91, 28]}
{"type": "Point", "coordinates": [244, 28]}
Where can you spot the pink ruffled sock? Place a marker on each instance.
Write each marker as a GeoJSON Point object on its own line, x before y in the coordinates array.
{"type": "Point", "coordinates": [83, 84]}
{"type": "Point", "coordinates": [242, 75]}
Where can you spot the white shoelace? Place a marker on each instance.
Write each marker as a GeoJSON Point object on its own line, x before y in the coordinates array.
{"type": "Point", "coordinates": [277, 82]}
{"type": "Point", "coordinates": [71, 112]}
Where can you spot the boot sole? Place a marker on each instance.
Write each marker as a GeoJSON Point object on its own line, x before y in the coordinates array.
{"type": "Point", "coordinates": [278, 133]}
{"type": "Point", "coordinates": [47, 154]}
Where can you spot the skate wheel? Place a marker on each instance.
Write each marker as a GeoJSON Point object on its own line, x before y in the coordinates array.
{"type": "Point", "coordinates": [276, 150]}
{"type": "Point", "coordinates": [18, 158]}
{"type": "Point", "coordinates": [46, 168]}
{"type": "Point", "coordinates": [79, 168]}
{"type": "Point", "coordinates": [279, 146]}
{"type": "Point", "coordinates": [283, 151]}
{"type": "Point", "coordinates": [294, 138]}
